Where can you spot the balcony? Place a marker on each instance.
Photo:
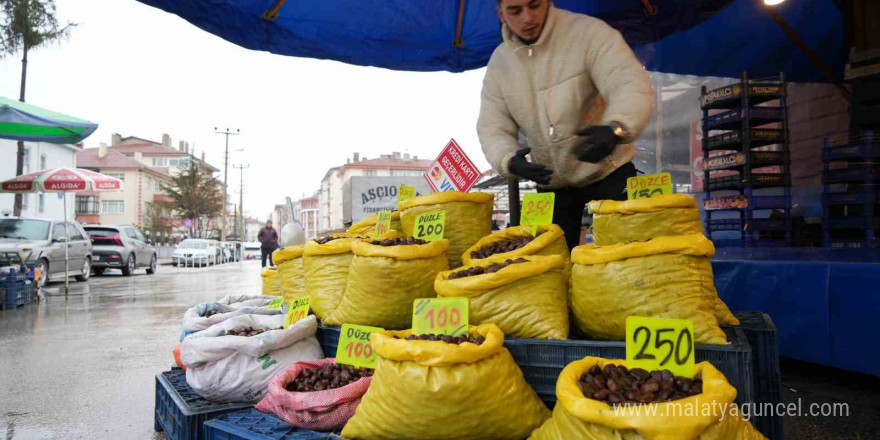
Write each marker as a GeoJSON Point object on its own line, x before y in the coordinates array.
{"type": "Point", "coordinates": [162, 198]}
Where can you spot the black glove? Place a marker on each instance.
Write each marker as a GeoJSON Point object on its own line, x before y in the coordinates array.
{"type": "Point", "coordinates": [523, 168]}
{"type": "Point", "coordinates": [597, 142]}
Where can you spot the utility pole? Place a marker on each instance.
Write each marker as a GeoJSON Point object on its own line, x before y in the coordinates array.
{"type": "Point", "coordinates": [225, 170]}
{"type": "Point", "coordinates": [241, 168]}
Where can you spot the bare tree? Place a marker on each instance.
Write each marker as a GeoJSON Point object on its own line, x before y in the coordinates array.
{"type": "Point", "coordinates": [27, 25]}
{"type": "Point", "coordinates": [196, 195]}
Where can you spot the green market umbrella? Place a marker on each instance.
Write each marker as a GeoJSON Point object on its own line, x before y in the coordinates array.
{"type": "Point", "coordinates": [24, 122]}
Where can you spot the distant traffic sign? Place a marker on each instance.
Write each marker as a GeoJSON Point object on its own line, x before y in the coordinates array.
{"type": "Point", "coordinates": [188, 223]}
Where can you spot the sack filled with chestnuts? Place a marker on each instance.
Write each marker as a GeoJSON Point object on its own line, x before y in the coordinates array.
{"type": "Point", "coordinates": [233, 361]}
{"type": "Point", "coordinates": [617, 222]}
{"type": "Point", "coordinates": [367, 226]}
{"type": "Point", "coordinates": [527, 297]}
{"type": "Point", "coordinates": [318, 395]}
{"type": "Point", "coordinates": [666, 277]}
{"type": "Point", "coordinates": [517, 241]}
{"type": "Point", "coordinates": [325, 266]}
{"type": "Point", "coordinates": [385, 277]}
{"type": "Point", "coordinates": [436, 389]}
{"type": "Point", "coordinates": [204, 315]}
{"type": "Point", "coordinates": [290, 271]}
{"type": "Point", "coordinates": [602, 399]}
{"type": "Point", "coordinates": [271, 281]}
{"type": "Point", "coordinates": [468, 218]}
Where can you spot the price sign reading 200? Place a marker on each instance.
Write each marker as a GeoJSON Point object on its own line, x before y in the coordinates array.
{"type": "Point", "coordinates": [430, 225]}
{"type": "Point", "coordinates": [660, 344]}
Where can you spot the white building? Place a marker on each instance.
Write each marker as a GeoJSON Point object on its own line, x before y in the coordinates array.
{"type": "Point", "coordinates": [330, 210]}
{"type": "Point", "coordinates": [37, 156]}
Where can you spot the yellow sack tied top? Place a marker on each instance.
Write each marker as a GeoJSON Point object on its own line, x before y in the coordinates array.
{"type": "Point", "coordinates": [550, 240]}
{"type": "Point", "coordinates": [526, 300]}
{"type": "Point", "coordinates": [383, 282]}
{"type": "Point", "coordinates": [432, 390]}
{"type": "Point", "coordinates": [468, 218]}
{"type": "Point", "coordinates": [710, 415]}
{"type": "Point", "coordinates": [271, 282]}
{"type": "Point", "coordinates": [367, 226]}
{"type": "Point", "coordinates": [643, 219]}
{"type": "Point", "coordinates": [290, 271]}
{"type": "Point", "coordinates": [325, 267]}
{"type": "Point", "coordinates": [667, 277]}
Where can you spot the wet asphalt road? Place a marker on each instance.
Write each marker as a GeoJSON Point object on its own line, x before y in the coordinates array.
{"type": "Point", "coordinates": [83, 366]}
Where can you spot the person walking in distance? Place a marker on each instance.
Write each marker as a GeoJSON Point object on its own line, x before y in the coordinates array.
{"type": "Point", "coordinates": [571, 87]}
{"type": "Point", "coordinates": [268, 239]}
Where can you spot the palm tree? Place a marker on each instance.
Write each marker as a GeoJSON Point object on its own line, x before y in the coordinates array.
{"type": "Point", "coordinates": [27, 25]}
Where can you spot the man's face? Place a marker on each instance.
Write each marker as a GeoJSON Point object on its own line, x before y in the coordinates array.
{"type": "Point", "coordinates": [269, 225]}
{"type": "Point", "coordinates": [524, 17]}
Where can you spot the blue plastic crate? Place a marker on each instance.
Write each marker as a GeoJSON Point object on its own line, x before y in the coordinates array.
{"type": "Point", "coordinates": [732, 120]}
{"type": "Point", "coordinates": [855, 172]}
{"type": "Point", "coordinates": [180, 412]}
{"type": "Point", "coordinates": [851, 198]}
{"type": "Point", "coordinates": [863, 150]}
{"type": "Point", "coordinates": [253, 425]}
{"type": "Point", "coordinates": [14, 291]}
{"type": "Point", "coordinates": [328, 337]}
{"type": "Point", "coordinates": [767, 376]}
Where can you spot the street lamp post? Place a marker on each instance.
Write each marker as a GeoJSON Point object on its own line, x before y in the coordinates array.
{"type": "Point", "coordinates": [243, 226]}
{"type": "Point", "coordinates": [227, 133]}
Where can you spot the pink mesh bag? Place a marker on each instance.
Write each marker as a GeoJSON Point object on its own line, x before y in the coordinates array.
{"type": "Point", "coordinates": [326, 410]}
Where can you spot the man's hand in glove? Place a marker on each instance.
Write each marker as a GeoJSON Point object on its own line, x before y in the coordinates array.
{"type": "Point", "coordinates": [523, 168]}
{"type": "Point", "coordinates": [597, 142]}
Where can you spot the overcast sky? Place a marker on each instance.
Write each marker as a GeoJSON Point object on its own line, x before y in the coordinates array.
{"type": "Point", "coordinates": [139, 71]}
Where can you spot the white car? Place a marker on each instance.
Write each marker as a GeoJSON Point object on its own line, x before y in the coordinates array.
{"type": "Point", "coordinates": [252, 250]}
{"type": "Point", "coordinates": [195, 252]}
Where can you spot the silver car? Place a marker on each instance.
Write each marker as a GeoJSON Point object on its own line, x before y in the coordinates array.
{"type": "Point", "coordinates": [45, 240]}
{"type": "Point", "coordinates": [121, 247]}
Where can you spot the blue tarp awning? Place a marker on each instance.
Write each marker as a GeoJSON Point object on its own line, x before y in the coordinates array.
{"type": "Point", "coordinates": [695, 37]}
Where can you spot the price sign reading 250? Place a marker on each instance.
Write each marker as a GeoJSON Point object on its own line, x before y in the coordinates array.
{"type": "Point", "coordinates": [430, 225]}
{"type": "Point", "coordinates": [440, 316]}
{"type": "Point", "coordinates": [537, 210]}
{"type": "Point", "coordinates": [354, 346]}
{"type": "Point", "coordinates": [660, 344]}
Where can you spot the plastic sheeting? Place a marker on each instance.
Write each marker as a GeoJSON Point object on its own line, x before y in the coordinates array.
{"type": "Point", "coordinates": [695, 37]}
{"type": "Point", "coordinates": [820, 308]}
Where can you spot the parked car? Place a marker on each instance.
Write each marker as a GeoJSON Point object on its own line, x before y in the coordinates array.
{"type": "Point", "coordinates": [121, 247]}
{"type": "Point", "coordinates": [46, 240]}
{"type": "Point", "coordinates": [196, 252]}
{"type": "Point", "coordinates": [252, 250]}
{"type": "Point", "coordinates": [231, 250]}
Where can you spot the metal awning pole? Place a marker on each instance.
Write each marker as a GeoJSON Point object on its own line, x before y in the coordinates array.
{"type": "Point", "coordinates": [513, 200]}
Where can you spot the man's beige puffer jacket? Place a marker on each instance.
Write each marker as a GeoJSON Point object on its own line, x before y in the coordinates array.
{"type": "Point", "coordinates": [580, 72]}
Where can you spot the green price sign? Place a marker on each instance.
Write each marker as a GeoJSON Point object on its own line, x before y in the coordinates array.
{"type": "Point", "coordinates": [354, 346]}
{"type": "Point", "coordinates": [276, 303]}
{"type": "Point", "coordinates": [660, 344]}
{"type": "Point", "coordinates": [383, 223]}
{"type": "Point", "coordinates": [404, 193]}
{"type": "Point", "coordinates": [430, 225]}
{"type": "Point", "coordinates": [649, 185]}
{"type": "Point", "coordinates": [298, 309]}
{"type": "Point", "coordinates": [537, 210]}
{"type": "Point", "coordinates": [440, 316]}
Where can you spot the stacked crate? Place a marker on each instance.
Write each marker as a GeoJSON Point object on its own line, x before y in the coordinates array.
{"type": "Point", "coordinates": [850, 197]}
{"type": "Point", "coordinates": [746, 163]}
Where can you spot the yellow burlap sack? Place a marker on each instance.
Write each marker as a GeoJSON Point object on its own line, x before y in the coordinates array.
{"type": "Point", "coordinates": [468, 218]}
{"type": "Point", "coordinates": [549, 241]}
{"type": "Point", "coordinates": [271, 281]}
{"type": "Point", "coordinates": [643, 219]}
{"type": "Point", "coordinates": [290, 271]}
{"type": "Point", "coordinates": [526, 300]}
{"type": "Point", "coordinates": [431, 390]}
{"type": "Point", "coordinates": [667, 277]}
{"type": "Point", "coordinates": [367, 226]}
{"type": "Point", "coordinates": [383, 282]}
{"type": "Point", "coordinates": [326, 272]}
{"type": "Point", "coordinates": [693, 418]}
